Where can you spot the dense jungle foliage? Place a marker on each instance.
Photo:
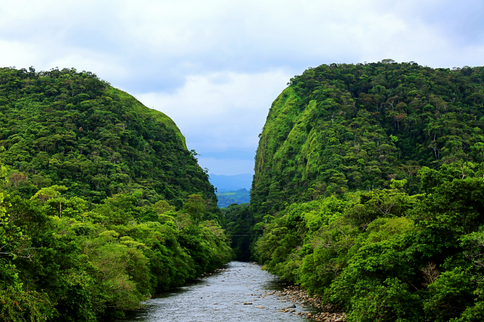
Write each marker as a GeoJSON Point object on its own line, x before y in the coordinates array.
{"type": "Point", "coordinates": [385, 255]}
{"type": "Point", "coordinates": [101, 204]}
{"type": "Point", "coordinates": [70, 128]}
{"type": "Point", "coordinates": [369, 190]}
{"type": "Point", "coordinates": [344, 127]}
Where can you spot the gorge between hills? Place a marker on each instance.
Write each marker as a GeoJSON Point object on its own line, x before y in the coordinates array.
{"type": "Point", "coordinates": [368, 194]}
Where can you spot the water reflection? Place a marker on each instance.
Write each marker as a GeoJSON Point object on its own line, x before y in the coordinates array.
{"type": "Point", "coordinates": [236, 294]}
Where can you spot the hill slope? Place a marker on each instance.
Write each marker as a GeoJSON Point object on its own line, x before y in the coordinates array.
{"type": "Point", "coordinates": [70, 128]}
{"type": "Point", "coordinates": [369, 191]}
{"type": "Point", "coordinates": [101, 204]}
{"type": "Point", "coordinates": [344, 127]}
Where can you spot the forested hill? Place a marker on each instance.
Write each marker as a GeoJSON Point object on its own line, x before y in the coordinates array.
{"type": "Point", "coordinates": [101, 204]}
{"type": "Point", "coordinates": [70, 128]}
{"type": "Point", "coordinates": [369, 191]}
{"type": "Point", "coordinates": [346, 127]}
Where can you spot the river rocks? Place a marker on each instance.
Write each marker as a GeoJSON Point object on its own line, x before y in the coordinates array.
{"type": "Point", "coordinates": [219, 270]}
{"type": "Point", "coordinates": [329, 317]}
{"type": "Point", "coordinates": [297, 295]}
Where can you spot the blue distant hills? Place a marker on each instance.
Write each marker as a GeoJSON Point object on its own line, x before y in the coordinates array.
{"type": "Point", "coordinates": [238, 197]}
{"type": "Point", "coordinates": [232, 189]}
{"type": "Point", "coordinates": [225, 183]}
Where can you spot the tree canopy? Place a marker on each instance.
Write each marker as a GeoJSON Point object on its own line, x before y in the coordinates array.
{"type": "Point", "coordinates": [101, 203]}
{"type": "Point", "coordinates": [368, 190]}
{"type": "Point", "coordinates": [70, 128]}
{"type": "Point", "coordinates": [347, 127]}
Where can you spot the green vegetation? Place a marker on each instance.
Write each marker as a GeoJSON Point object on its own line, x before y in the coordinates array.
{"type": "Point", "coordinates": [101, 204]}
{"type": "Point", "coordinates": [239, 228]}
{"type": "Point", "coordinates": [384, 255]}
{"type": "Point", "coordinates": [369, 190]}
{"type": "Point", "coordinates": [343, 127]}
{"type": "Point", "coordinates": [225, 199]}
{"type": "Point", "coordinates": [70, 128]}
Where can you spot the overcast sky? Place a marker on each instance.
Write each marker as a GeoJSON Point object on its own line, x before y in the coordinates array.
{"type": "Point", "coordinates": [215, 66]}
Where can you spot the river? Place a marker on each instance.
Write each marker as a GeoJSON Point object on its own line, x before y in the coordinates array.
{"type": "Point", "coordinates": [235, 294]}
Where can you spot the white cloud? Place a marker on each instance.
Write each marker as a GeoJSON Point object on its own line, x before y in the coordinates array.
{"type": "Point", "coordinates": [215, 66]}
{"type": "Point", "coordinates": [220, 111]}
{"type": "Point", "coordinates": [201, 36]}
{"type": "Point", "coordinates": [16, 54]}
{"type": "Point", "coordinates": [158, 43]}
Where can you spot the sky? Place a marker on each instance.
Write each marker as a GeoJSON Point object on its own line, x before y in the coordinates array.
{"type": "Point", "coordinates": [216, 66]}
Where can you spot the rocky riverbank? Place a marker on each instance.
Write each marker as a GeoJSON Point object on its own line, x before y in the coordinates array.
{"type": "Point", "coordinates": [239, 292]}
{"type": "Point", "coordinates": [297, 296]}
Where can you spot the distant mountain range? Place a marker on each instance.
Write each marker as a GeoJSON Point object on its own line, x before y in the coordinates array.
{"type": "Point", "coordinates": [225, 183]}
{"type": "Point", "coordinates": [238, 197]}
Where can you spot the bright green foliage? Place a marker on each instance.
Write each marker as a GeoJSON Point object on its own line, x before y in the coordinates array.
{"type": "Point", "coordinates": [386, 256]}
{"type": "Point", "coordinates": [345, 152]}
{"type": "Point", "coordinates": [449, 294]}
{"type": "Point", "coordinates": [89, 264]}
{"type": "Point", "coordinates": [17, 304]}
{"type": "Point", "coordinates": [69, 128]}
{"type": "Point", "coordinates": [290, 236]}
{"type": "Point", "coordinates": [101, 204]}
{"type": "Point", "coordinates": [345, 127]}
{"type": "Point", "coordinates": [195, 207]}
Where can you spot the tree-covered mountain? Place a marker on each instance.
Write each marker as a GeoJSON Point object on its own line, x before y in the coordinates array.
{"type": "Point", "coordinates": [101, 204]}
{"type": "Point", "coordinates": [385, 255]}
{"type": "Point", "coordinates": [369, 191]}
{"type": "Point", "coordinates": [70, 128]}
{"type": "Point", "coordinates": [346, 127]}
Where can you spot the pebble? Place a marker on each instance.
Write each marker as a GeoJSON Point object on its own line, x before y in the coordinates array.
{"type": "Point", "coordinates": [297, 295]}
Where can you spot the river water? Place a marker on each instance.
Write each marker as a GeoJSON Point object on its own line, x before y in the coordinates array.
{"type": "Point", "coordinates": [235, 294]}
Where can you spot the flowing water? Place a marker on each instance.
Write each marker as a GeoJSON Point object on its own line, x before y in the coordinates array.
{"type": "Point", "coordinates": [235, 294]}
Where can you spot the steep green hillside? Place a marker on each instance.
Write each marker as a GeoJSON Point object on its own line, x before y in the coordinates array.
{"type": "Point", "coordinates": [345, 127]}
{"type": "Point", "coordinates": [369, 191]}
{"type": "Point", "coordinates": [71, 128]}
{"type": "Point", "coordinates": [385, 255]}
{"type": "Point", "coordinates": [101, 204]}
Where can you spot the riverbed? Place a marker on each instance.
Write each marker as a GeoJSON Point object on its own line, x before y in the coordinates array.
{"type": "Point", "coordinates": [240, 292]}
